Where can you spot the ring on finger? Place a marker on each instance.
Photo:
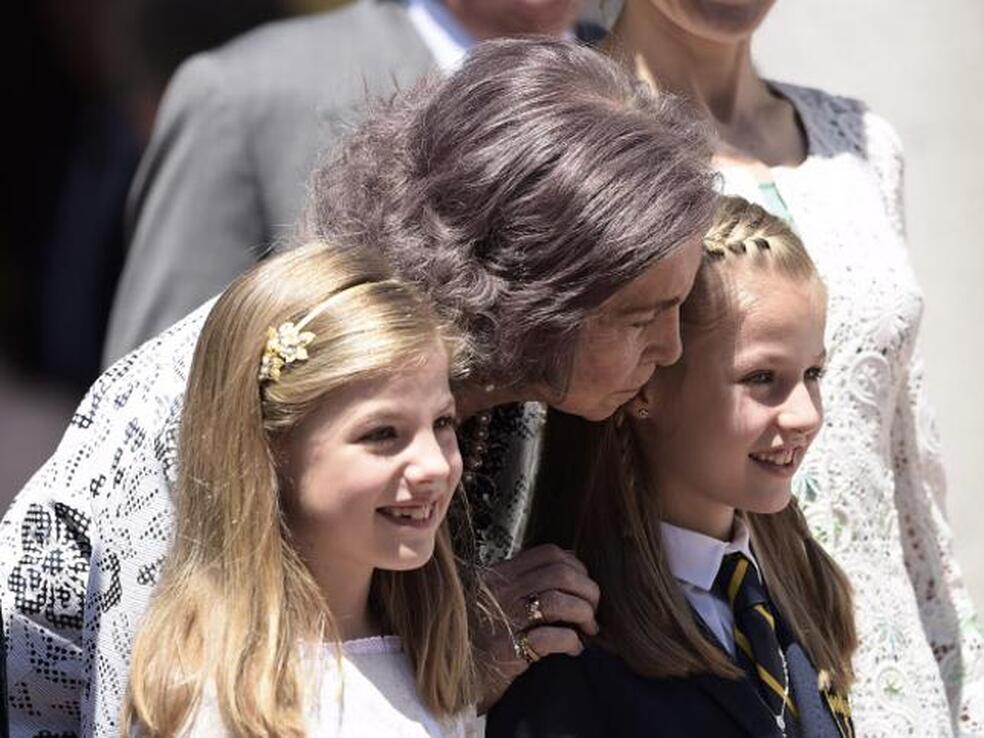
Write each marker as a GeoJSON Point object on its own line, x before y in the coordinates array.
{"type": "Point", "coordinates": [534, 609]}
{"type": "Point", "coordinates": [523, 649]}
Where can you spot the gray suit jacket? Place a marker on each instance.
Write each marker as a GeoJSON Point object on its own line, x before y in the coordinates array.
{"type": "Point", "coordinates": [237, 134]}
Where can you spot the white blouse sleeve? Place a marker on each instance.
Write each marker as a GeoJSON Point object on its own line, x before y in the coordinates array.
{"type": "Point", "coordinates": [948, 615]}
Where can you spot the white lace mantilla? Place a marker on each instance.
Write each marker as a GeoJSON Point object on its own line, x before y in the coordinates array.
{"type": "Point", "coordinates": [81, 546]}
{"type": "Point", "coordinates": [873, 486]}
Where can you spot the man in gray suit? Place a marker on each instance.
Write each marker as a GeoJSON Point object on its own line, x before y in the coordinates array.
{"type": "Point", "coordinates": [241, 127]}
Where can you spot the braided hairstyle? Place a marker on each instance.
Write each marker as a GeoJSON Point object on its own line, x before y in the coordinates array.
{"type": "Point", "coordinates": [743, 237]}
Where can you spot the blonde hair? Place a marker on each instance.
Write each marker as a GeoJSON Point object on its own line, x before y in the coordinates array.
{"type": "Point", "coordinates": [645, 618]}
{"type": "Point", "coordinates": [236, 601]}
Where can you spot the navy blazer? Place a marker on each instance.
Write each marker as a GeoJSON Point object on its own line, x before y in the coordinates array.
{"type": "Point", "coordinates": [596, 695]}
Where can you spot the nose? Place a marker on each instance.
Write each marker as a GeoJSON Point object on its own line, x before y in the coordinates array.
{"type": "Point", "coordinates": [802, 412]}
{"type": "Point", "coordinates": [428, 462]}
{"type": "Point", "coordinates": [664, 345]}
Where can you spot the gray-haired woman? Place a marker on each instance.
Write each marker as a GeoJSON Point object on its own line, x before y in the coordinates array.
{"type": "Point", "coordinates": [549, 205]}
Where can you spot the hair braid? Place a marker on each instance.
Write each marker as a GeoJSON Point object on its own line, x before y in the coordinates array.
{"type": "Point", "coordinates": [742, 228]}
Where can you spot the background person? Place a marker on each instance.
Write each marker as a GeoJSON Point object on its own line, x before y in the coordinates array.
{"type": "Point", "coordinates": [241, 127]}
{"type": "Point", "coordinates": [872, 485]}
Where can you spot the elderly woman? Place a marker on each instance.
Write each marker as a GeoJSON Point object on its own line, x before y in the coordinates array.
{"type": "Point", "coordinates": [872, 486]}
{"type": "Point", "coordinates": [550, 207]}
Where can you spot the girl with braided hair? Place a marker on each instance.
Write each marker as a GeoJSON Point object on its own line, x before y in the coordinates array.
{"type": "Point", "coordinates": [722, 616]}
{"type": "Point", "coordinates": [873, 487]}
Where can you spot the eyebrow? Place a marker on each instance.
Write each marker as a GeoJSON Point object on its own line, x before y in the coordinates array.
{"type": "Point", "coordinates": [389, 412]}
{"type": "Point", "coordinates": [768, 356]}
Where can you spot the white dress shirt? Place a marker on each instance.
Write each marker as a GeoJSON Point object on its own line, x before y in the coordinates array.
{"type": "Point", "coordinates": [694, 560]}
{"type": "Point", "coordinates": [446, 38]}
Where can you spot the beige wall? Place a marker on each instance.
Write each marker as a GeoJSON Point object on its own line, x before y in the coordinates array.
{"type": "Point", "coordinates": [921, 65]}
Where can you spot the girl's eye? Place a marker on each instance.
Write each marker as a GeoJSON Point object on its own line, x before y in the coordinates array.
{"type": "Point", "coordinates": [445, 422]}
{"type": "Point", "coordinates": [760, 377]}
{"type": "Point", "coordinates": [379, 435]}
{"type": "Point", "coordinates": [815, 373]}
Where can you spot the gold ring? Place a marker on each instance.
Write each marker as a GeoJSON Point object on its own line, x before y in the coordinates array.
{"type": "Point", "coordinates": [534, 610]}
{"type": "Point", "coordinates": [523, 649]}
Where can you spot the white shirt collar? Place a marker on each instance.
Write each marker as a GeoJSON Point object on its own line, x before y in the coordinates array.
{"type": "Point", "coordinates": [446, 38]}
{"type": "Point", "coordinates": [695, 558]}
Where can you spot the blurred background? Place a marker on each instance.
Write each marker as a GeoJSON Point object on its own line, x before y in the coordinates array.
{"type": "Point", "coordinates": [83, 112]}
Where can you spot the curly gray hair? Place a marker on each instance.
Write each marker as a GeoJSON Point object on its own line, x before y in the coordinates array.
{"type": "Point", "coordinates": [520, 193]}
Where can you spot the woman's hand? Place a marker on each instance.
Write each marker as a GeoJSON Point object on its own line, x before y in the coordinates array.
{"type": "Point", "coordinates": [550, 602]}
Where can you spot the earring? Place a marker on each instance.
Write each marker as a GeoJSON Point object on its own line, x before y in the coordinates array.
{"type": "Point", "coordinates": [643, 412]}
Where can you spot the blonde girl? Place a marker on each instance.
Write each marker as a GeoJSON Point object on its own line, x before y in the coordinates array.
{"type": "Point", "coordinates": [310, 588]}
{"type": "Point", "coordinates": [721, 616]}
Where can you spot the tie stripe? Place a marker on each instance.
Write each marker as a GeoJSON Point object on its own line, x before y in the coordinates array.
{"type": "Point", "coordinates": [741, 640]}
{"type": "Point", "coordinates": [776, 687]}
{"type": "Point", "coordinates": [760, 609]}
{"type": "Point", "coordinates": [736, 579]}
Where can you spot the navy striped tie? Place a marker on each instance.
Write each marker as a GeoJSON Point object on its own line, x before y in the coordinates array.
{"type": "Point", "coordinates": [757, 647]}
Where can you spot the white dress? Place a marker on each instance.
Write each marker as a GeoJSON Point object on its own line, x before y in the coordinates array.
{"type": "Point", "coordinates": [873, 486]}
{"type": "Point", "coordinates": [375, 696]}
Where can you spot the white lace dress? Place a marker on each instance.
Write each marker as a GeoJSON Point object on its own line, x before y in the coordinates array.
{"type": "Point", "coordinates": [873, 486]}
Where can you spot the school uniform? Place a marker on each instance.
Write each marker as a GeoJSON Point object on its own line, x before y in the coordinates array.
{"type": "Point", "coordinates": [596, 695]}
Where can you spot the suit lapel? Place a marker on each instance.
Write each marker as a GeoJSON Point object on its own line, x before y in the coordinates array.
{"type": "Point", "coordinates": [739, 698]}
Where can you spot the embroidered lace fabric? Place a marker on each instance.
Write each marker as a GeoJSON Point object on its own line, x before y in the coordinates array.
{"type": "Point", "coordinates": [82, 544]}
{"type": "Point", "coordinates": [873, 486]}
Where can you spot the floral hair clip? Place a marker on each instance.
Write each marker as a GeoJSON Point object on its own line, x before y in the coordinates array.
{"type": "Point", "coordinates": [284, 345]}
{"type": "Point", "coordinates": [289, 343]}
